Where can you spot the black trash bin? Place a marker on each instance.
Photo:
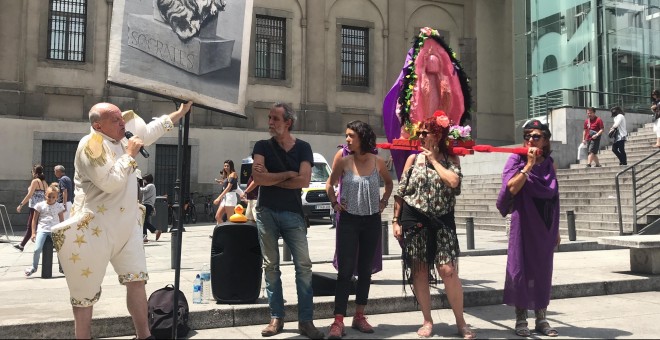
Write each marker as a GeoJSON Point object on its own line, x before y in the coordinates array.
{"type": "Point", "coordinates": [160, 220]}
{"type": "Point", "coordinates": [236, 263]}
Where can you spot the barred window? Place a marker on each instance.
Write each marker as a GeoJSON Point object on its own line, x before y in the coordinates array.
{"type": "Point", "coordinates": [58, 152]}
{"type": "Point", "coordinates": [166, 168]}
{"type": "Point", "coordinates": [270, 47]}
{"type": "Point", "coordinates": [67, 21]}
{"type": "Point", "coordinates": [354, 56]}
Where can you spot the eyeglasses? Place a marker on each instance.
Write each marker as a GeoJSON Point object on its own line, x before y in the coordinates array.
{"type": "Point", "coordinates": [535, 137]}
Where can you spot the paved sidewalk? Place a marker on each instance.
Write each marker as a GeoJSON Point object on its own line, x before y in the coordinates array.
{"type": "Point", "coordinates": [39, 308]}
{"type": "Point", "coordinates": [632, 316]}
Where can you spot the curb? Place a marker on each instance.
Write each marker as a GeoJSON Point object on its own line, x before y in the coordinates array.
{"type": "Point", "coordinates": [238, 315]}
{"type": "Point", "coordinates": [244, 315]}
{"type": "Point", "coordinates": [220, 316]}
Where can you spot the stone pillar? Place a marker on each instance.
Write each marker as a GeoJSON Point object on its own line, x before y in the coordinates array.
{"type": "Point", "coordinates": [396, 42]}
{"type": "Point", "coordinates": [313, 111]}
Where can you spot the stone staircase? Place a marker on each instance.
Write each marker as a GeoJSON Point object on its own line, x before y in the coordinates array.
{"type": "Point", "coordinates": [589, 192]}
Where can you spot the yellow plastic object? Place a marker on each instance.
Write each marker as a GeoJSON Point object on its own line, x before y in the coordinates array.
{"type": "Point", "coordinates": [238, 216]}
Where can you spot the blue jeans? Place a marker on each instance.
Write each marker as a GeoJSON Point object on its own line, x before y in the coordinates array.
{"type": "Point", "coordinates": [291, 226]}
{"type": "Point", "coordinates": [38, 247]}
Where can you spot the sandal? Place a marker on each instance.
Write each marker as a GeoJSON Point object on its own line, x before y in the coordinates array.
{"type": "Point", "coordinates": [543, 327]}
{"type": "Point", "coordinates": [467, 333]}
{"type": "Point", "coordinates": [522, 329]}
{"type": "Point", "coordinates": [425, 331]}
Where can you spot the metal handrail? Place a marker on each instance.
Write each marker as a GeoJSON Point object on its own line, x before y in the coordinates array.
{"type": "Point", "coordinates": [2, 217]}
{"type": "Point", "coordinates": [649, 186]}
{"type": "Point", "coordinates": [551, 96]}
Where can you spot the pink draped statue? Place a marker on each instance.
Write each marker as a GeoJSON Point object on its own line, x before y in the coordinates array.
{"type": "Point", "coordinates": [436, 77]}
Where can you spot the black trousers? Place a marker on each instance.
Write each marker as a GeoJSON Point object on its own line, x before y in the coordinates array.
{"type": "Point", "coordinates": [28, 230]}
{"type": "Point", "coordinates": [619, 149]}
{"type": "Point", "coordinates": [357, 238]}
{"type": "Point", "coordinates": [147, 220]}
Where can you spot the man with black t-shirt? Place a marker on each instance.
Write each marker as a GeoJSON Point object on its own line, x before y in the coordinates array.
{"type": "Point", "coordinates": [66, 189]}
{"type": "Point", "coordinates": [282, 167]}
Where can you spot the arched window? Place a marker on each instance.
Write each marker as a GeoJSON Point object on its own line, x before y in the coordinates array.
{"type": "Point", "coordinates": [549, 63]}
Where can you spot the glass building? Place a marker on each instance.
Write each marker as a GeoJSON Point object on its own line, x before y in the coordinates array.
{"type": "Point", "coordinates": [577, 53]}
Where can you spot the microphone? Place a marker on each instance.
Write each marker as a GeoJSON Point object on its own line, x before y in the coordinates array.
{"type": "Point", "coordinates": [144, 152]}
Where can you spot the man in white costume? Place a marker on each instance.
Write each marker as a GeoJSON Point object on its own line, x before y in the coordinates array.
{"type": "Point", "coordinates": [106, 218]}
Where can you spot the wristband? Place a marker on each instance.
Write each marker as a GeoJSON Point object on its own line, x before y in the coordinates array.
{"type": "Point", "coordinates": [524, 173]}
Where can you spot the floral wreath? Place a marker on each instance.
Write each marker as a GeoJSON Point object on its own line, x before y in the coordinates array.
{"type": "Point", "coordinates": [456, 131]}
{"type": "Point", "coordinates": [436, 125]}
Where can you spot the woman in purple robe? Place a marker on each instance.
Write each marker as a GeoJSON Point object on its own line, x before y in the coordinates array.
{"type": "Point", "coordinates": [531, 195]}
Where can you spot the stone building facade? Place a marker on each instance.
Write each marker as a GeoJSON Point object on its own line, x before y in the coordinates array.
{"type": "Point", "coordinates": [44, 100]}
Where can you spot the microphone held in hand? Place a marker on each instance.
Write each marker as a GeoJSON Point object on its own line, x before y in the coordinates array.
{"type": "Point", "coordinates": [144, 152]}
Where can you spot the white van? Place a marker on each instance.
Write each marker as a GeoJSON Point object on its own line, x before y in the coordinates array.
{"type": "Point", "coordinates": [315, 200]}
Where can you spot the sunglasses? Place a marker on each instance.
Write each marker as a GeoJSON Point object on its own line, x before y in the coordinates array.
{"type": "Point", "coordinates": [423, 133]}
{"type": "Point", "coordinates": [535, 137]}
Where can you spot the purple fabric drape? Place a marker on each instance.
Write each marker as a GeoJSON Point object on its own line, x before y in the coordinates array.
{"type": "Point", "coordinates": [533, 233]}
{"type": "Point", "coordinates": [378, 255]}
{"type": "Point", "coordinates": [391, 122]}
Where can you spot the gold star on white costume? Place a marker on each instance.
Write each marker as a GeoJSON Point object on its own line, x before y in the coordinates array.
{"type": "Point", "coordinates": [101, 209]}
{"type": "Point", "coordinates": [96, 231]}
{"type": "Point", "coordinates": [86, 272]}
{"type": "Point", "coordinates": [80, 239]}
{"type": "Point", "coordinates": [74, 257]}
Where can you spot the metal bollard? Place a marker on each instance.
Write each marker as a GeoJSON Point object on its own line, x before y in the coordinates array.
{"type": "Point", "coordinates": [47, 259]}
{"type": "Point", "coordinates": [570, 221]}
{"type": "Point", "coordinates": [386, 244]}
{"type": "Point", "coordinates": [286, 252]}
{"type": "Point", "coordinates": [174, 245]}
{"type": "Point", "coordinates": [469, 232]}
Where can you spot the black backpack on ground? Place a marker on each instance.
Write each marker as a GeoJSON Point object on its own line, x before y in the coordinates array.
{"type": "Point", "coordinates": [160, 313]}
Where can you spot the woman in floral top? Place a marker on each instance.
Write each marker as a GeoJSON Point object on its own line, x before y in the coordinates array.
{"type": "Point", "coordinates": [424, 221]}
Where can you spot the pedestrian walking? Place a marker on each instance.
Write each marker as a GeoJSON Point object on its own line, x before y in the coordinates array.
{"type": "Point", "coordinates": [36, 193]}
{"type": "Point", "coordinates": [593, 129]}
{"type": "Point", "coordinates": [65, 184]}
{"type": "Point", "coordinates": [47, 213]}
{"type": "Point", "coordinates": [655, 99]}
{"type": "Point", "coordinates": [619, 134]}
{"type": "Point", "coordinates": [228, 198]}
{"type": "Point", "coordinates": [149, 202]}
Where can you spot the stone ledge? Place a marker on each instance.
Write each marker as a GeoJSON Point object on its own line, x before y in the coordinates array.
{"type": "Point", "coordinates": [633, 241]}
{"type": "Point", "coordinates": [241, 315]}
{"type": "Point", "coordinates": [644, 251]}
